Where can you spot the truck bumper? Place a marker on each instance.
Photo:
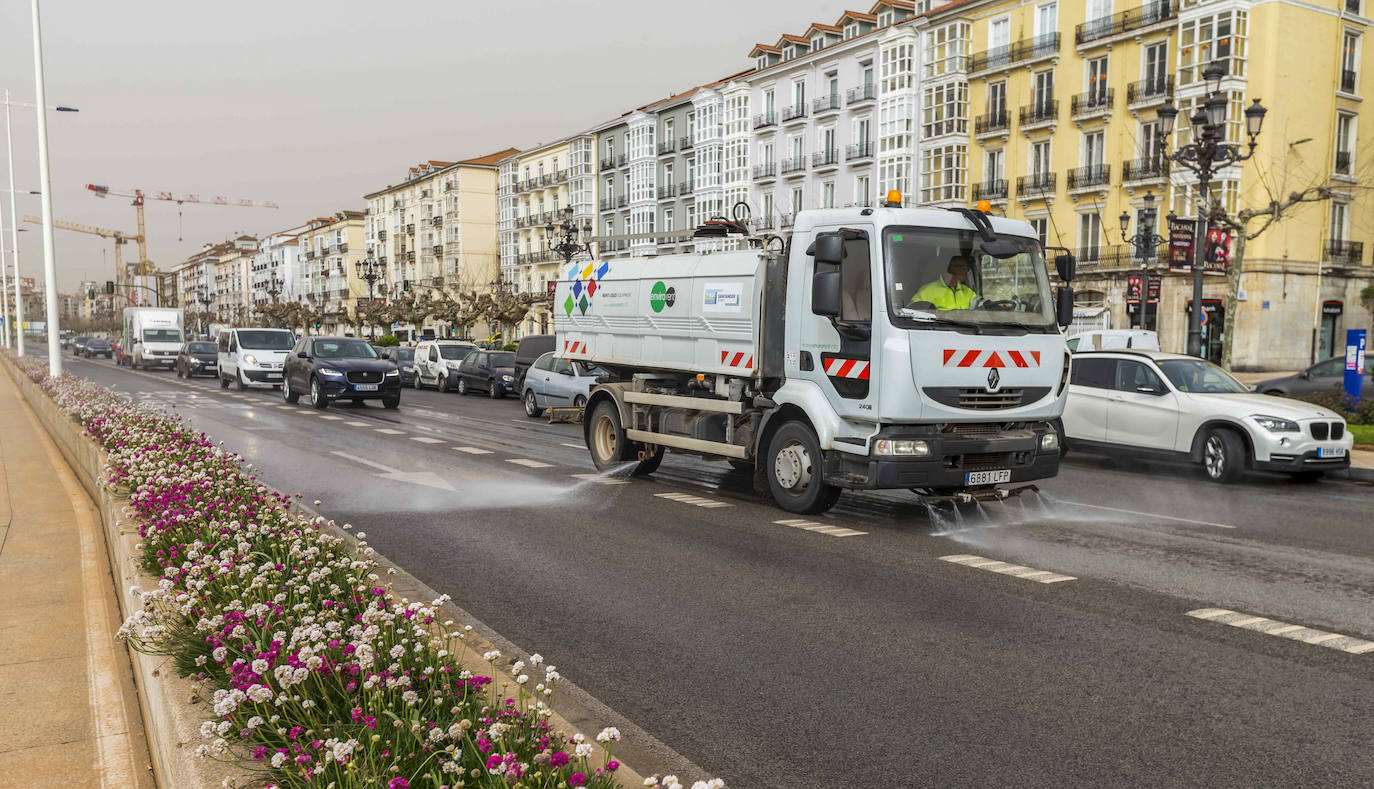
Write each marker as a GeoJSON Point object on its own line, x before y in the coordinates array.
{"type": "Point", "coordinates": [951, 459]}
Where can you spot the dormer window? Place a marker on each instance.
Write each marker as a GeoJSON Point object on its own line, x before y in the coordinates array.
{"type": "Point", "coordinates": [763, 62]}
{"type": "Point", "coordinates": [817, 42]}
{"type": "Point", "coordinates": [884, 19]}
{"type": "Point", "coordinates": [850, 31]}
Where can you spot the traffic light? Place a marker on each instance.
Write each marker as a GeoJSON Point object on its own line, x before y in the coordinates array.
{"type": "Point", "coordinates": [109, 287]}
{"type": "Point", "coordinates": [405, 285]}
{"type": "Point", "coordinates": [90, 294]}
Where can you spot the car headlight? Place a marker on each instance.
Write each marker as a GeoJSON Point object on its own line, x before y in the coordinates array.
{"type": "Point", "coordinates": [507, 378]}
{"type": "Point", "coordinates": [902, 448]}
{"type": "Point", "coordinates": [250, 358]}
{"type": "Point", "coordinates": [452, 365]}
{"type": "Point", "coordinates": [390, 373]}
{"type": "Point", "coordinates": [329, 372]}
{"type": "Point", "coordinates": [1274, 424]}
{"type": "Point", "coordinates": [409, 368]}
{"type": "Point", "coordinates": [1049, 442]}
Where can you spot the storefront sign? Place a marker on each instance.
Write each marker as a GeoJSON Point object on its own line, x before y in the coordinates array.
{"type": "Point", "coordinates": [1332, 308]}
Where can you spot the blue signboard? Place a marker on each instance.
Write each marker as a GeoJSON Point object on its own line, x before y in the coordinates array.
{"type": "Point", "coordinates": [1354, 361]}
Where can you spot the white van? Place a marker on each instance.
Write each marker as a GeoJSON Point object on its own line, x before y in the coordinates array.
{"type": "Point", "coordinates": [253, 356]}
{"type": "Point", "coordinates": [436, 363]}
{"type": "Point", "coordinates": [1113, 339]}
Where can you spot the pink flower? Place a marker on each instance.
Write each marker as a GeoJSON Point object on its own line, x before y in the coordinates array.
{"type": "Point", "coordinates": [577, 779]}
{"type": "Point", "coordinates": [398, 783]}
{"type": "Point", "coordinates": [558, 759]}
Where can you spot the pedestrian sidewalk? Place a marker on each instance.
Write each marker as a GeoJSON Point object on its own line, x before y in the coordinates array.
{"type": "Point", "coordinates": [71, 718]}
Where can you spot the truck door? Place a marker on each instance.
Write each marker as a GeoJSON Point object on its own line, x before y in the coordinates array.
{"type": "Point", "coordinates": [837, 352]}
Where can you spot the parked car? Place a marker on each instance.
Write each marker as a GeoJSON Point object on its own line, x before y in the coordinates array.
{"type": "Point", "coordinates": [554, 382]}
{"type": "Point", "coordinates": [121, 356]}
{"type": "Point", "coordinates": [489, 371]}
{"type": "Point", "coordinates": [527, 351]}
{"type": "Point", "coordinates": [1326, 375]}
{"type": "Point", "coordinates": [97, 346]}
{"type": "Point", "coordinates": [325, 369]}
{"type": "Point", "coordinates": [79, 344]}
{"type": "Point", "coordinates": [405, 362]}
{"type": "Point", "coordinates": [436, 362]}
{"type": "Point", "coordinates": [253, 356]}
{"type": "Point", "coordinates": [197, 358]}
{"type": "Point", "coordinates": [1182, 407]}
{"type": "Point", "coordinates": [1108, 339]}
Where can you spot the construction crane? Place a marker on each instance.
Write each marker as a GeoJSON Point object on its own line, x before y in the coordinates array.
{"type": "Point", "coordinates": [138, 196]}
{"type": "Point", "coordinates": [120, 239]}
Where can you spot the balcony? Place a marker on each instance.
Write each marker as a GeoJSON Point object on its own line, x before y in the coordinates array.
{"type": "Point", "coordinates": [865, 92]}
{"type": "Point", "coordinates": [665, 192]}
{"type": "Point", "coordinates": [622, 160]}
{"type": "Point", "coordinates": [410, 229]}
{"type": "Point", "coordinates": [1149, 91]}
{"type": "Point", "coordinates": [765, 119]}
{"type": "Point", "coordinates": [410, 256]}
{"type": "Point", "coordinates": [1093, 104]}
{"type": "Point", "coordinates": [1125, 21]}
{"type": "Point", "coordinates": [1349, 253]}
{"type": "Point", "coordinates": [995, 189]}
{"type": "Point", "coordinates": [825, 160]}
{"type": "Point", "coordinates": [341, 247]}
{"type": "Point", "coordinates": [826, 104]}
{"type": "Point", "coordinates": [684, 188]}
{"type": "Point", "coordinates": [1347, 80]}
{"type": "Point", "coordinates": [794, 113]}
{"type": "Point", "coordinates": [1040, 114]}
{"type": "Point", "coordinates": [765, 172]}
{"type": "Point", "coordinates": [438, 249]}
{"type": "Point", "coordinates": [436, 221]}
{"type": "Point", "coordinates": [1024, 51]}
{"type": "Point", "coordinates": [1343, 163]}
{"type": "Point", "coordinates": [1140, 171]}
{"type": "Point", "coordinates": [795, 164]}
{"type": "Point", "coordinates": [608, 163]}
{"type": "Point", "coordinates": [987, 125]}
{"type": "Point", "coordinates": [546, 179]}
{"type": "Point", "coordinates": [622, 201]}
{"type": "Point", "coordinates": [381, 235]}
{"type": "Point", "coordinates": [606, 203]}
{"type": "Point", "coordinates": [859, 150]}
{"type": "Point", "coordinates": [1094, 176]}
{"type": "Point", "coordinates": [560, 176]}
{"type": "Point", "coordinates": [667, 147]}
{"type": "Point", "coordinates": [1036, 185]}
{"type": "Point", "coordinates": [685, 142]}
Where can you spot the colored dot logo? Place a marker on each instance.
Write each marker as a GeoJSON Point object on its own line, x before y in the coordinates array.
{"type": "Point", "coordinates": [661, 296]}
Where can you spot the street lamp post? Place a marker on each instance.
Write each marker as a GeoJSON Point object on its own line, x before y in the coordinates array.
{"type": "Point", "coordinates": [1145, 242]}
{"type": "Point", "coordinates": [370, 270]}
{"type": "Point", "coordinates": [1204, 157]}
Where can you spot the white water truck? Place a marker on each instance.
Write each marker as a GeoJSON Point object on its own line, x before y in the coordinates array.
{"type": "Point", "coordinates": [873, 348]}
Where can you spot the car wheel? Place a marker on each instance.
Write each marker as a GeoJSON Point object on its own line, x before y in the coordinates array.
{"type": "Point", "coordinates": [795, 471]}
{"type": "Point", "coordinates": [223, 382]}
{"type": "Point", "coordinates": [1223, 456]}
{"type": "Point", "coordinates": [494, 390]}
{"type": "Point", "coordinates": [317, 397]}
{"type": "Point", "coordinates": [532, 409]}
{"type": "Point", "coordinates": [443, 382]}
{"type": "Point", "coordinates": [579, 402]}
{"type": "Point", "coordinates": [416, 382]}
{"type": "Point", "coordinates": [238, 381]}
{"type": "Point", "coordinates": [462, 386]}
{"type": "Point", "coordinates": [392, 402]}
{"type": "Point", "coordinates": [1312, 475]}
{"type": "Point", "coordinates": [286, 393]}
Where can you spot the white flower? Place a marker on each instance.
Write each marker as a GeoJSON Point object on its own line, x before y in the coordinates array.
{"type": "Point", "coordinates": [584, 750]}
{"type": "Point", "coordinates": [397, 651]}
{"type": "Point", "coordinates": [522, 679]}
{"type": "Point", "coordinates": [492, 656]}
{"type": "Point", "coordinates": [278, 759]}
{"type": "Point", "coordinates": [218, 654]}
{"type": "Point", "coordinates": [260, 693]}
{"type": "Point", "coordinates": [536, 659]}
{"type": "Point", "coordinates": [609, 734]}
{"type": "Point", "coordinates": [259, 666]}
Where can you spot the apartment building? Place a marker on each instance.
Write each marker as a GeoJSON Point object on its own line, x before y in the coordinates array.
{"type": "Point", "coordinates": [542, 186]}
{"type": "Point", "coordinates": [229, 288]}
{"type": "Point", "coordinates": [195, 277]}
{"type": "Point", "coordinates": [329, 251]}
{"type": "Point", "coordinates": [274, 270]}
{"type": "Point", "coordinates": [1065, 135]}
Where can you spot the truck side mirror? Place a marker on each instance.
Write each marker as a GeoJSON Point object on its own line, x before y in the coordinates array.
{"type": "Point", "coordinates": [825, 293]}
{"type": "Point", "coordinates": [1066, 265]}
{"type": "Point", "coordinates": [1063, 304]}
{"type": "Point", "coordinates": [827, 248]}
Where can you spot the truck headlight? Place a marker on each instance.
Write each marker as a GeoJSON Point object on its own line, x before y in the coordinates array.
{"type": "Point", "coordinates": [1274, 424]}
{"type": "Point", "coordinates": [250, 358]}
{"type": "Point", "coordinates": [1049, 442]}
{"type": "Point", "coordinates": [902, 448]}
{"type": "Point", "coordinates": [329, 372]}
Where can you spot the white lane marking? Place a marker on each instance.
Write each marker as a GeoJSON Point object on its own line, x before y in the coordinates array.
{"type": "Point", "coordinates": [600, 480]}
{"type": "Point", "coordinates": [1004, 568]}
{"type": "Point", "coordinates": [574, 446]}
{"type": "Point", "coordinates": [358, 424]}
{"type": "Point", "coordinates": [696, 501]}
{"type": "Point", "coordinates": [388, 431]}
{"type": "Point", "coordinates": [527, 463]}
{"type": "Point", "coordinates": [1148, 514]}
{"type": "Point", "coordinates": [821, 528]}
{"type": "Point", "coordinates": [427, 440]}
{"type": "Point", "coordinates": [1307, 635]}
{"type": "Point", "coordinates": [330, 418]}
{"type": "Point", "coordinates": [473, 450]}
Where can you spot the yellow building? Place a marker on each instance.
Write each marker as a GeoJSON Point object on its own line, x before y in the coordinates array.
{"type": "Point", "coordinates": [1064, 98]}
{"type": "Point", "coordinates": [329, 250]}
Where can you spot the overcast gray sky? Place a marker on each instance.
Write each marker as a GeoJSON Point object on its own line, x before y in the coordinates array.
{"type": "Point", "coordinates": [312, 105]}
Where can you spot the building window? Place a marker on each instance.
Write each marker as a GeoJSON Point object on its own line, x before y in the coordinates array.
{"type": "Point", "coordinates": [862, 191]}
{"type": "Point", "coordinates": [1040, 159]}
{"type": "Point", "coordinates": [944, 168]}
{"type": "Point", "coordinates": [1097, 81]}
{"type": "Point", "coordinates": [796, 201]}
{"type": "Point", "coordinates": [946, 109]}
{"type": "Point", "coordinates": [668, 225]}
{"type": "Point", "coordinates": [884, 19]}
{"type": "Point", "coordinates": [1345, 144]}
{"type": "Point", "coordinates": [1220, 36]}
{"type": "Point", "coordinates": [1041, 226]}
{"type": "Point", "coordinates": [1340, 221]}
{"type": "Point", "coordinates": [946, 49]}
{"type": "Point", "coordinates": [1090, 236]}
{"type": "Point", "coordinates": [1349, 61]}
{"type": "Point", "coordinates": [828, 194]}
{"type": "Point", "coordinates": [997, 101]}
{"type": "Point", "coordinates": [768, 207]}
{"type": "Point", "coordinates": [1149, 140]}
{"type": "Point", "coordinates": [1093, 149]}
{"type": "Point", "coordinates": [992, 166]}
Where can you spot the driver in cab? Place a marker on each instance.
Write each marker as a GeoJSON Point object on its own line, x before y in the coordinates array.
{"type": "Point", "coordinates": [949, 291]}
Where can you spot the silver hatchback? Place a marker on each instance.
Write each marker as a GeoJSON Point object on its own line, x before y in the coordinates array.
{"type": "Point", "coordinates": [554, 382]}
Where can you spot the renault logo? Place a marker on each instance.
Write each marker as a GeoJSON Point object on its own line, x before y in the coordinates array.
{"type": "Point", "coordinates": [994, 380]}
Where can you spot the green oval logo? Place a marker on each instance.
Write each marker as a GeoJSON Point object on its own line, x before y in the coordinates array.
{"type": "Point", "coordinates": [661, 296]}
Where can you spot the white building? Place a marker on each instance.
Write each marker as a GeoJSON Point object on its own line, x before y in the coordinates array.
{"type": "Point", "coordinates": [274, 273]}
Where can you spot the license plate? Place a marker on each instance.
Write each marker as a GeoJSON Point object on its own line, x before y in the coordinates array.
{"type": "Point", "coordinates": [987, 477]}
{"type": "Point", "coordinates": [365, 387]}
{"type": "Point", "coordinates": [272, 375]}
{"type": "Point", "coordinates": [1330, 452]}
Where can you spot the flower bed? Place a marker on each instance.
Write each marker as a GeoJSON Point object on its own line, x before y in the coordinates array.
{"type": "Point", "coordinates": [320, 677]}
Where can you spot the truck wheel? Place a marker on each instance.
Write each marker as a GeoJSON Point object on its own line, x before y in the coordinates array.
{"type": "Point", "coordinates": [608, 445]}
{"type": "Point", "coordinates": [795, 471]}
{"type": "Point", "coordinates": [1223, 456]}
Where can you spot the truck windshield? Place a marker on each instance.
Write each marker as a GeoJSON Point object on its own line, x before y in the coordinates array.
{"type": "Point", "coordinates": [941, 276]}
{"type": "Point", "coordinates": [161, 335]}
{"type": "Point", "coordinates": [264, 340]}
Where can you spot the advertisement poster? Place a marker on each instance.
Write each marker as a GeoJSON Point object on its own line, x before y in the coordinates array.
{"type": "Point", "coordinates": [1180, 247]}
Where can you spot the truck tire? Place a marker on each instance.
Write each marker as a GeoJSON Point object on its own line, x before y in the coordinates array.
{"type": "Point", "coordinates": [608, 446]}
{"type": "Point", "coordinates": [794, 471]}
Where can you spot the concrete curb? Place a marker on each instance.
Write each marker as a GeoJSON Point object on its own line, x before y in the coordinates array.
{"type": "Point", "coordinates": [1357, 473]}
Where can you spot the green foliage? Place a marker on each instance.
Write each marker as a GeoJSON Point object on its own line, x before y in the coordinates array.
{"type": "Point", "coordinates": [388, 341]}
{"type": "Point", "coordinates": [510, 346]}
{"type": "Point", "coordinates": [1364, 434]}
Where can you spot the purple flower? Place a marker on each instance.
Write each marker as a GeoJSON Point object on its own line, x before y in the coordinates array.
{"type": "Point", "coordinates": [558, 759]}
{"type": "Point", "coordinates": [398, 783]}
{"type": "Point", "coordinates": [577, 779]}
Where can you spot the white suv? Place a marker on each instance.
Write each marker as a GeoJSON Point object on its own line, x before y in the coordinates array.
{"type": "Point", "coordinates": [436, 363]}
{"type": "Point", "coordinates": [1164, 403]}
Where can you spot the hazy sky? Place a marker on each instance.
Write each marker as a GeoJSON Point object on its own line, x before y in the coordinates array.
{"type": "Point", "coordinates": [312, 105]}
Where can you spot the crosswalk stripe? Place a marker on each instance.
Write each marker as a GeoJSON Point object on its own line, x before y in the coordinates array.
{"type": "Point", "coordinates": [1270, 627]}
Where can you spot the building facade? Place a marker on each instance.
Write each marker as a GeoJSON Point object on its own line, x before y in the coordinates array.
{"type": "Point", "coordinates": [329, 249]}
{"type": "Point", "coordinates": [274, 271]}
{"type": "Point", "coordinates": [230, 293]}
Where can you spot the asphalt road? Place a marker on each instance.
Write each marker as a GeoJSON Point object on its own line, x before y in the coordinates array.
{"type": "Point", "coordinates": [800, 654]}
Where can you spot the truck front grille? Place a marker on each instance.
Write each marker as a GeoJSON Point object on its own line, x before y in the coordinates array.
{"type": "Point", "coordinates": [975, 429]}
{"type": "Point", "coordinates": [979, 461]}
{"type": "Point", "coordinates": [983, 400]}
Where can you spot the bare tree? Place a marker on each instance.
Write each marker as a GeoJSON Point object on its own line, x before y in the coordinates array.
{"type": "Point", "coordinates": [459, 310]}
{"type": "Point", "coordinates": [502, 307]}
{"type": "Point", "coordinates": [373, 314]}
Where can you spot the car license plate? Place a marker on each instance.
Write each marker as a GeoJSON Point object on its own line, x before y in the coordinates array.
{"type": "Point", "coordinates": [1330, 452]}
{"type": "Point", "coordinates": [365, 387]}
{"type": "Point", "coordinates": [987, 477]}
{"type": "Point", "coordinates": [272, 375]}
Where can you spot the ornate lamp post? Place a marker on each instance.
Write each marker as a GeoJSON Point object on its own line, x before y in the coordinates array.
{"type": "Point", "coordinates": [370, 270]}
{"type": "Point", "coordinates": [1145, 241]}
{"type": "Point", "coordinates": [1204, 157]}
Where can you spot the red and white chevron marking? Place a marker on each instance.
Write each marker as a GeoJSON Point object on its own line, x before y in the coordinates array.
{"type": "Point", "coordinates": [977, 358]}
{"type": "Point", "coordinates": [738, 359]}
{"type": "Point", "coordinates": [574, 346]}
{"type": "Point", "coordinates": [846, 368]}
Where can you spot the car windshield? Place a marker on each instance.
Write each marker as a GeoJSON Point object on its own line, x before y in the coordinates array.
{"type": "Point", "coordinates": [201, 347]}
{"type": "Point", "coordinates": [98, 341]}
{"type": "Point", "coordinates": [162, 335]}
{"type": "Point", "coordinates": [588, 369]}
{"type": "Point", "coordinates": [454, 351]}
{"type": "Point", "coordinates": [403, 354]}
{"type": "Point", "coordinates": [1200, 377]}
{"type": "Point", "coordinates": [940, 276]}
{"type": "Point", "coordinates": [502, 360]}
{"type": "Point", "coordinates": [344, 349]}
{"type": "Point", "coordinates": [266, 340]}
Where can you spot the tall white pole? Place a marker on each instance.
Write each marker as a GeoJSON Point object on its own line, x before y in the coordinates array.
{"type": "Point", "coordinates": [4, 285]}
{"type": "Point", "coordinates": [14, 235]}
{"type": "Point", "coordinates": [45, 183]}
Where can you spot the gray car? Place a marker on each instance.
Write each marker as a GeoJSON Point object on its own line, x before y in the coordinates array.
{"type": "Point", "coordinates": [554, 382]}
{"type": "Point", "coordinates": [1327, 375]}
